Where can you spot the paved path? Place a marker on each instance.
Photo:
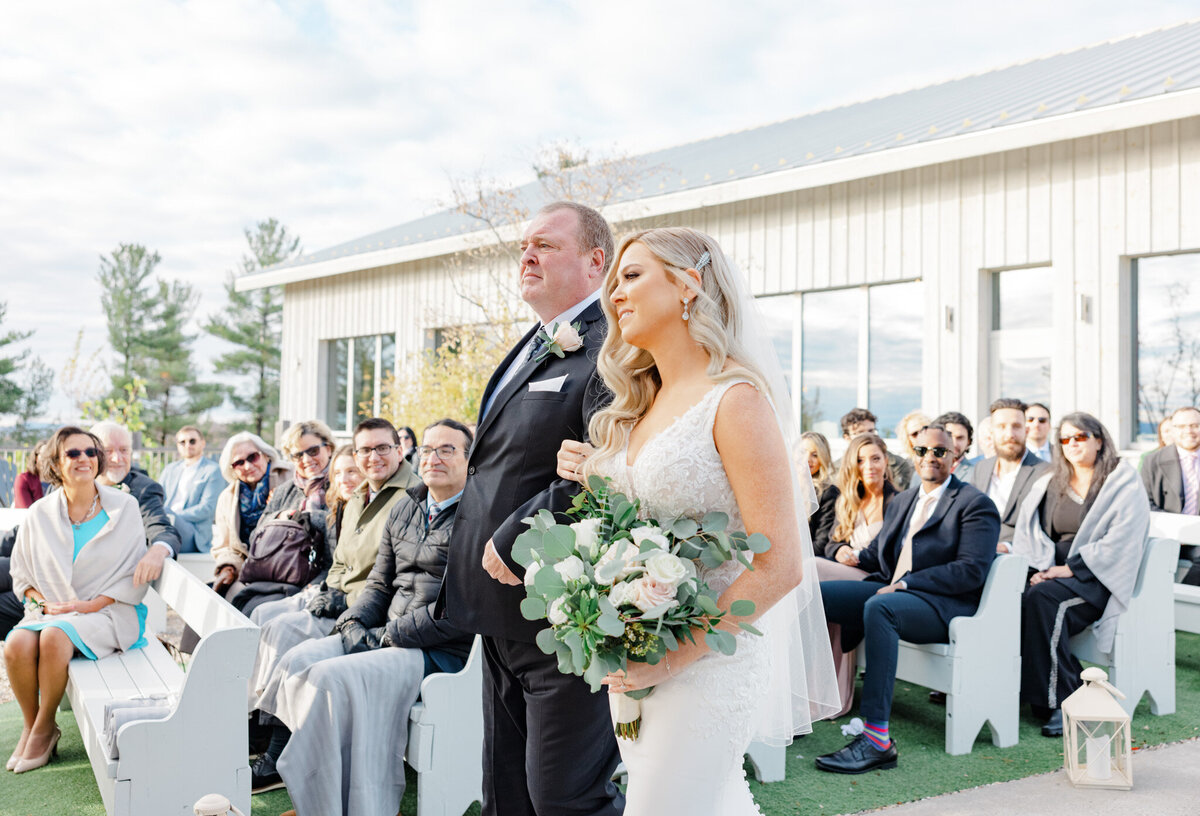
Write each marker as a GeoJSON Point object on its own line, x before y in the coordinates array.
{"type": "Point", "coordinates": [1166, 782]}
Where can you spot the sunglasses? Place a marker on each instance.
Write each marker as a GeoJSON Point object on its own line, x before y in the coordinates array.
{"type": "Point", "coordinates": [1081, 437]}
{"type": "Point", "coordinates": [249, 460]}
{"type": "Point", "coordinates": [187, 441]}
{"type": "Point", "coordinates": [311, 453]}
{"type": "Point", "coordinates": [938, 452]}
{"type": "Point", "coordinates": [75, 453]}
{"type": "Point", "coordinates": [1038, 420]}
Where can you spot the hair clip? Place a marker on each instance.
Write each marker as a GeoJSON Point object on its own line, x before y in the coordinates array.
{"type": "Point", "coordinates": [703, 262]}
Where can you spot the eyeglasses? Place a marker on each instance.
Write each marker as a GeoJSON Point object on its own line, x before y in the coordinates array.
{"type": "Point", "coordinates": [311, 453]}
{"type": "Point", "coordinates": [1191, 426]}
{"type": "Point", "coordinates": [75, 453]}
{"type": "Point", "coordinates": [187, 441]}
{"type": "Point", "coordinates": [1038, 420]}
{"type": "Point", "coordinates": [443, 452]}
{"type": "Point", "coordinates": [938, 452]}
{"type": "Point", "coordinates": [249, 460]}
{"type": "Point", "coordinates": [381, 450]}
{"type": "Point", "coordinates": [1081, 437]}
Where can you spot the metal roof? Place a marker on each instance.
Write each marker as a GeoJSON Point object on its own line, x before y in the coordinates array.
{"type": "Point", "coordinates": [1110, 73]}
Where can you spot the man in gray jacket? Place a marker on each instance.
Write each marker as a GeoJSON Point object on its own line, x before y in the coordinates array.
{"type": "Point", "coordinates": [1006, 477]}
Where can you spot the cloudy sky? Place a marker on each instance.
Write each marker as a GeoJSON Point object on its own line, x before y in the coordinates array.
{"type": "Point", "coordinates": [179, 124]}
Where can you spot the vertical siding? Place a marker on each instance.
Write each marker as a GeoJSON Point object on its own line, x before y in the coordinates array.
{"type": "Point", "coordinates": [1080, 207]}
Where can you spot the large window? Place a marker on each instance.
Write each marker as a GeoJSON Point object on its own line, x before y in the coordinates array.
{"type": "Point", "coordinates": [1021, 343]}
{"type": "Point", "coordinates": [1167, 352]}
{"type": "Point", "coordinates": [858, 347]}
{"type": "Point", "coordinates": [354, 371]}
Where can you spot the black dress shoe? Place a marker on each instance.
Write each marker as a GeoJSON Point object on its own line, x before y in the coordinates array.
{"type": "Point", "coordinates": [937, 697]}
{"type": "Point", "coordinates": [1053, 726]}
{"type": "Point", "coordinates": [858, 757]}
{"type": "Point", "coordinates": [263, 776]}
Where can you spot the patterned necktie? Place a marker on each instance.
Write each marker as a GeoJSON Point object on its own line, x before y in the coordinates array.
{"type": "Point", "coordinates": [920, 516]}
{"type": "Point", "coordinates": [1191, 485]}
{"type": "Point", "coordinates": [433, 511]}
{"type": "Point", "coordinates": [538, 345]}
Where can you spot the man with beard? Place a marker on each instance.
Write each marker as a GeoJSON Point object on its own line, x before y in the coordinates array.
{"type": "Point", "coordinates": [1006, 477]}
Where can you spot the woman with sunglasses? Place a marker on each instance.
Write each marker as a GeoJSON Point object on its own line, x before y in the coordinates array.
{"type": "Point", "coordinates": [408, 444]}
{"type": "Point", "coordinates": [73, 567]}
{"type": "Point", "coordinates": [254, 470]}
{"type": "Point", "coordinates": [309, 446]}
{"type": "Point", "coordinates": [1083, 528]}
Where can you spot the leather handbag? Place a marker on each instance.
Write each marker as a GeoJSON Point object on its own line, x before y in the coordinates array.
{"type": "Point", "coordinates": [281, 551]}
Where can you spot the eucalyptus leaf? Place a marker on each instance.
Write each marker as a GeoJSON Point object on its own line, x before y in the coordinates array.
{"type": "Point", "coordinates": [742, 608]}
{"type": "Point", "coordinates": [566, 660]}
{"type": "Point", "coordinates": [559, 542]}
{"type": "Point", "coordinates": [668, 639]}
{"type": "Point", "coordinates": [611, 625]}
{"type": "Point", "coordinates": [548, 583]}
{"type": "Point", "coordinates": [689, 549]}
{"type": "Point", "coordinates": [533, 608]}
{"type": "Point", "coordinates": [639, 694]}
{"type": "Point", "coordinates": [707, 604]}
{"type": "Point", "coordinates": [575, 643]}
{"type": "Point", "coordinates": [715, 521]}
{"type": "Point", "coordinates": [711, 558]}
{"type": "Point", "coordinates": [684, 527]}
{"type": "Point", "coordinates": [594, 673]}
{"type": "Point", "coordinates": [526, 544]}
{"type": "Point", "coordinates": [606, 606]}
{"type": "Point", "coordinates": [758, 542]}
{"type": "Point", "coordinates": [749, 628]}
{"type": "Point", "coordinates": [546, 641]}
{"type": "Point", "coordinates": [721, 641]}
{"type": "Point", "coordinates": [596, 483]}
{"type": "Point", "coordinates": [626, 514]}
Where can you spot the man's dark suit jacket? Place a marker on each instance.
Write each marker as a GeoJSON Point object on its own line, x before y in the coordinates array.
{"type": "Point", "coordinates": [511, 475]}
{"type": "Point", "coordinates": [1031, 468]}
{"type": "Point", "coordinates": [1164, 480]}
{"type": "Point", "coordinates": [951, 553]}
{"type": "Point", "coordinates": [151, 500]}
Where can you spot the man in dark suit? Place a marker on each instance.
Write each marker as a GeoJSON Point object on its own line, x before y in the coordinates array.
{"type": "Point", "coordinates": [549, 746]}
{"type": "Point", "coordinates": [927, 565]}
{"type": "Point", "coordinates": [1007, 476]}
{"type": "Point", "coordinates": [1172, 475]}
{"type": "Point", "coordinates": [160, 534]}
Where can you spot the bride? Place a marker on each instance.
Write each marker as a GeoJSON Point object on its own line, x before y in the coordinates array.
{"type": "Point", "coordinates": [699, 423]}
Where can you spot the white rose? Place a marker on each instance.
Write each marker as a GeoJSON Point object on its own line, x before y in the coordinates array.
{"type": "Point", "coordinates": [567, 338]}
{"type": "Point", "coordinates": [628, 553]}
{"type": "Point", "coordinates": [648, 594]}
{"type": "Point", "coordinates": [555, 614]}
{"type": "Point", "coordinates": [621, 594]}
{"type": "Point", "coordinates": [570, 568]}
{"type": "Point", "coordinates": [587, 536]}
{"type": "Point", "coordinates": [530, 572]}
{"type": "Point", "coordinates": [666, 569]}
{"type": "Point", "coordinates": [652, 534]}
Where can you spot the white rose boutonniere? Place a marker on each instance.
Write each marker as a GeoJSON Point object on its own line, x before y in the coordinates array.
{"type": "Point", "coordinates": [560, 339]}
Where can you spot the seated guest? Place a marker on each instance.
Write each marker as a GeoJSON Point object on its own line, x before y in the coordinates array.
{"type": "Point", "coordinates": [860, 498]}
{"type": "Point", "coordinates": [253, 469]}
{"type": "Point", "coordinates": [1037, 430]}
{"type": "Point", "coordinates": [309, 445]}
{"type": "Point", "coordinates": [926, 566]}
{"type": "Point", "coordinates": [73, 565]}
{"type": "Point", "coordinates": [1172, 475]}
{"type": "Point", "coordinates": [1083, 528]}
{"type": "Point", "coordinates": [408, 444]}
{"type": "Point", "coordinates": [28, 487]}
{"type": "Point", "coordinates": [959, 428]}
{"type": "Point", "coordinates": [820, 468]}
{"type": "Point", "coordinates": [356, 687]}
{"type": "Point", "coordinates": [1165, 437]}
{"type": "Point", "coordinates": [861, 421]}
{"type": "Point", "coordinates": [344, 478]}
{"type": "Point", "coordinates": [1007, 476]}
{"type": "Point", "coordinates": [193, 486]}
{"type": "Point", "coordinates": [120, 473]}
{"type": "Point", "coordinates": [313, 613]}
{"type": "Point", "coordinates": [906, 431]}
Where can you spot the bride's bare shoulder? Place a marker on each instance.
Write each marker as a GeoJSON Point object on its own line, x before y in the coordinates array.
{"type": "Point", "coordinates": [743, 404]}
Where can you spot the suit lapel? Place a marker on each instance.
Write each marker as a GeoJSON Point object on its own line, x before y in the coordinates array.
{"type": "Point", "coordinates": [981, 474]}
{"type": "Point", "coordinates": [485, 420]}
{"type": "Point", "coordinates": [943, 504]}
{"type": "Point", "coordinates": [1029, 464]}
{"type": "Point", "coordinates": [1173, 475]}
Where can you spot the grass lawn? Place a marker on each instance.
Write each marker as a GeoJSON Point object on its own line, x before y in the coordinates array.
{"type": "Point", "coordinates": [66, 786]}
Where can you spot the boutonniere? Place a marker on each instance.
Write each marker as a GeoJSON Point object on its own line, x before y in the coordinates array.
{"type": "Point", "coordinates": [122, 487]}
{"type": "Point", "coordinates": [559, 340]}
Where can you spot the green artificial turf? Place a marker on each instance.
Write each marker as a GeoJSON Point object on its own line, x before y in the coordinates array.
{"type": "Point", "coordinates": [66, 785]}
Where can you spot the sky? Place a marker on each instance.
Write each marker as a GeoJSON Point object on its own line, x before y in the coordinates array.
{"type": "Point", "coordinates": [178, 125]}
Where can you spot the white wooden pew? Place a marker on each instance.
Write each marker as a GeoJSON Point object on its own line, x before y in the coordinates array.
{"type": "Point", "coordinates": [980, 668]}
{"type": "Point", "coordinates": [166, 765]}
{"type": "Point", "coordinates": [445, 739]}
{"type": "Point", "coordinates": [1185, 530]}
{"type": "Point", "coordinates": [1142, 659]}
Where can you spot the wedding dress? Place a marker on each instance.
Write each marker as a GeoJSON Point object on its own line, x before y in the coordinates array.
{"type": "Point", "coordinates": [697, 725]}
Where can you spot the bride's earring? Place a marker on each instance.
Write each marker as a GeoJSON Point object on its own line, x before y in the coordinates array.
{"type": "Point", "coordinates": [686, 303]}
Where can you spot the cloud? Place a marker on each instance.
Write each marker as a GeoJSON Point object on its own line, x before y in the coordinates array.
{"type": "Point", "coordinates": [177, 125]}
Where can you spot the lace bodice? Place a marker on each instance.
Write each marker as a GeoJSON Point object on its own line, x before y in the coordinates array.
{"type": "Point", "coordinates": [678, 472]}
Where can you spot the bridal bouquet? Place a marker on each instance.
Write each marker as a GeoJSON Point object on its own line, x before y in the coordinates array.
{"type": "Point", "coordinates": [617, 588]}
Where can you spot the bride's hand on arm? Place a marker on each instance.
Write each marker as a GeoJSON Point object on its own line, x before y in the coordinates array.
{"type": "Point", "coordinates": [756, 463]}
{"type": "Point", "coordinates": [571, 456]}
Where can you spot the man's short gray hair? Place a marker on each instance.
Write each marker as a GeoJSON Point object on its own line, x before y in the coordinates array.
{"type": "Point", "coordinates": [106, 428]}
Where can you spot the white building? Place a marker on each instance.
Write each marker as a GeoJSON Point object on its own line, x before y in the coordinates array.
{"type": "Point", "coordinates": [1032, 231]}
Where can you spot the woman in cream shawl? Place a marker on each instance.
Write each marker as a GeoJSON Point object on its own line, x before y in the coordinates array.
{"type": "Point", "coordinates": [1083, 527]}
{"type": "Point", "coordinates": [73, 566]}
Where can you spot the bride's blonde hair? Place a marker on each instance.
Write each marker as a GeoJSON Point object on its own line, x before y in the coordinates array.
{"type": "Point", "coordinates": [715, 322]}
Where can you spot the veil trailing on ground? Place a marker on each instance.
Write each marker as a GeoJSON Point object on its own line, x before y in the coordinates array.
{"type": "Point", "coordinates": [803, 685]}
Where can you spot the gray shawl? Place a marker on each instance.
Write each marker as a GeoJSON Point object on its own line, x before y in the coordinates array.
{"type": "Point", "coordinates": [41, 560]}
{"type": "Point", "coordinates": [1111, 540]}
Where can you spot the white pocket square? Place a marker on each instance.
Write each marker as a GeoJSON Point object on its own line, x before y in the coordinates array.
{"type": "Point", "coordinates": [552, 384]}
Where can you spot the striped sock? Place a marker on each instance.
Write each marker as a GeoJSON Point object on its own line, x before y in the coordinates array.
{"type": "Point", "coordinates": [877, 733]}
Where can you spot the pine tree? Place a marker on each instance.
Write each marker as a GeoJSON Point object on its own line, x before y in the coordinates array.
{"type": "Point", "coordinates": [127, 297]}
{"type": "Point", "coordinates": [10, 390]}
{"type": "Point", "coordinates": [252, 322]}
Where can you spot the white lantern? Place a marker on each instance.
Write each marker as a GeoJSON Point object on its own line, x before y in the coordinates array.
{"type": "Point", "coordinates": [1096, 738]}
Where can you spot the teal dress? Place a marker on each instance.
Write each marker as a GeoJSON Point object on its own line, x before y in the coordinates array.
{"type": "Point", "coordinates": [84, 533]}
